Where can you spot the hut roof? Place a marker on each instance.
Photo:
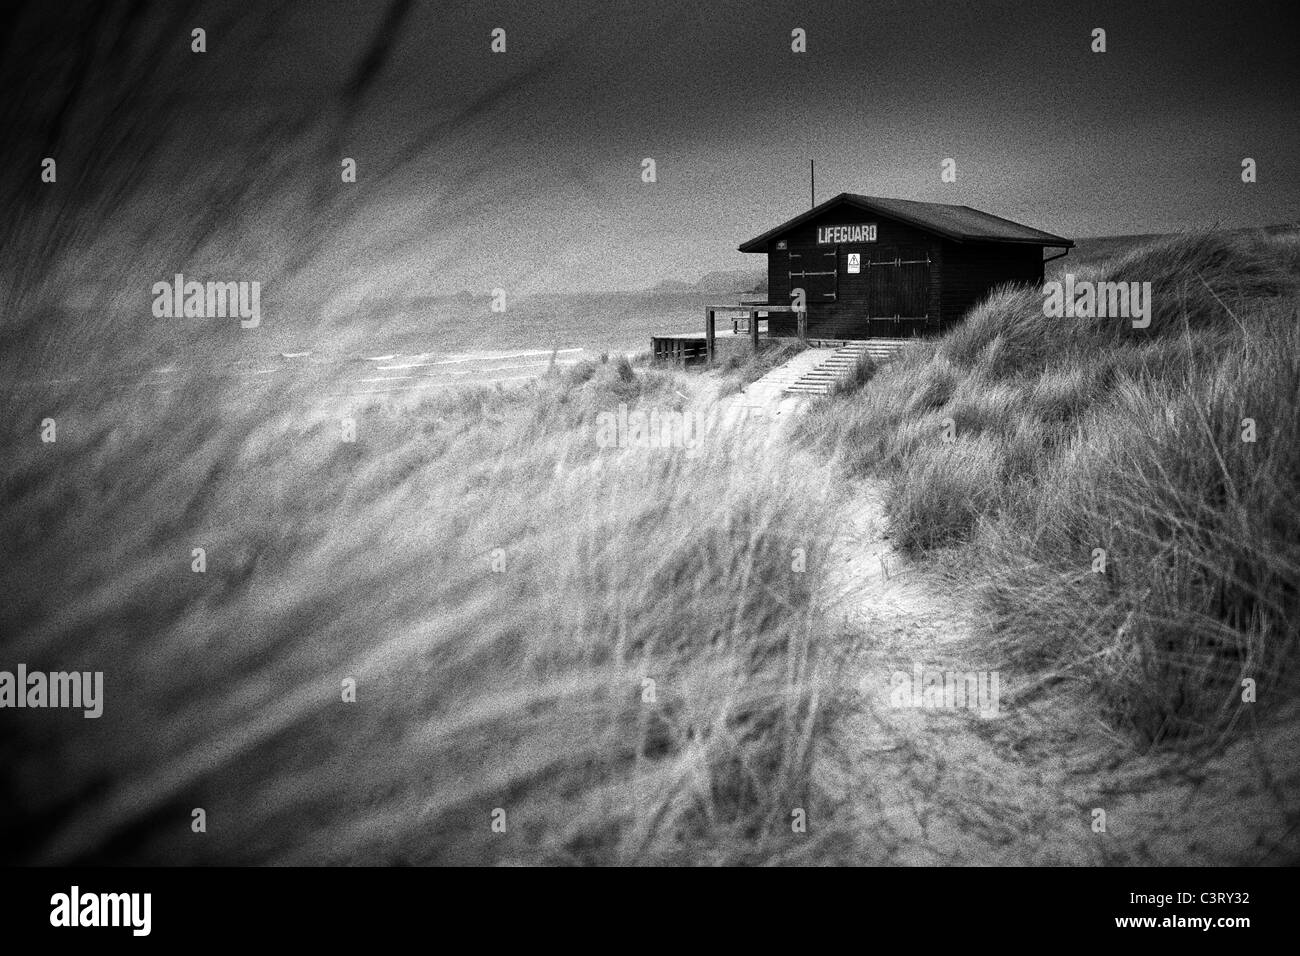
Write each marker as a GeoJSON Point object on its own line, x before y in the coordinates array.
{"type": "Point", "coordinates": [958, 223]}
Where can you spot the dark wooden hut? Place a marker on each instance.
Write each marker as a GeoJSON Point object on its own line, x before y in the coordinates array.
{"type": "Point", "coordinates": [892, 268]}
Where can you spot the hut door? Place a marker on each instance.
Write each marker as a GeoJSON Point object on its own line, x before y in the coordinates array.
{"type": "Point", "coordinates": [899, 283]}
{"type": "Point", "coordinates": [816, 271]}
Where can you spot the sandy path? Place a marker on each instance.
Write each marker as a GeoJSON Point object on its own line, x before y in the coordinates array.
{"type": "Point", "coordinates": [948, 786]}
{"type": "Point", "coordinates": [928, 785]}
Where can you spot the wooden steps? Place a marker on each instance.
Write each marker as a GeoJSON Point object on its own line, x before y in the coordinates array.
{"type": "Point", "coordinates": [778, 380]}
{"type": "Point", "coordinates": [816, 371]}
{"type": "Point", "coordinates": [822, 378]}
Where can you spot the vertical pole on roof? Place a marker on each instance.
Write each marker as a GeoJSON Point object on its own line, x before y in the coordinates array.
{"type": "Point", "coordinates": [812, 181]}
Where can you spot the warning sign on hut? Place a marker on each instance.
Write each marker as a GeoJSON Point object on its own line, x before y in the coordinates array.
{"type": "Point", "coordinates": [855, 262]}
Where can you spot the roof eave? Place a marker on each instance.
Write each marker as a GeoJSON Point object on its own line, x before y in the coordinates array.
{"type": "Point", "coordinates": [1055, 242]}
{"type": "Point", "coordinates": [759, 243]}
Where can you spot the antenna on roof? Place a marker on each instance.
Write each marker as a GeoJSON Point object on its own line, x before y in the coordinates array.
{"type": "Point", "coordinates": [812, 180]}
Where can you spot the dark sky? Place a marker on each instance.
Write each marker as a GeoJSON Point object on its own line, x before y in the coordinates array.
{"type": "Point", "coordinates": [533, 179]}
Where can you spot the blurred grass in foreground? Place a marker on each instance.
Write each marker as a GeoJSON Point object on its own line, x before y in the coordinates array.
{"type": "Point", "coordinates": [476, 690]}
